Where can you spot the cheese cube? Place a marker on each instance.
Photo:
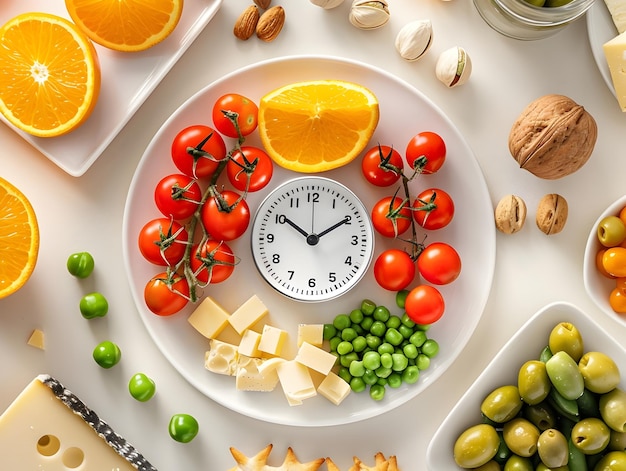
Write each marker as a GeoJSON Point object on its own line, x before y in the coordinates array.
{"type": "Point", "coordinates": [334, 388]}
{"type": "Point", "coordinates": [209, 318]}
{"type": "Point", "coordinates": [311, 333]}
{"type": "Point", "coordinates": [272, 340]}
{"type": "Point", "coordinates": [221, 358]}
{"type": "Point", "coordinates": [250, 378]}
{"type": "Point", "coordinates": [247, 314]}
{"type": "Point", "coordinates": [615, 53]}
{"type": "Point", "coordinates": [296, 381]}
{"type": "Point", "coordinates": [315, 358]}
{"type": "Point", "coordinates": [249, 345]}
{"type": "Point", "coordinates": [37, 339]}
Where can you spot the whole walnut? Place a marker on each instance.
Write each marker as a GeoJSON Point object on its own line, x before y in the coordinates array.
{"type": "Point", "coordinates": [553, 137]}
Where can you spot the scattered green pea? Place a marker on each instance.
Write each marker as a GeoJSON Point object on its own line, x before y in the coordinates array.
{"type": "Point", "coordinates": [183, 428]}
{"type": "Point", "coordinates": [401, 298]}
{"type": "Point", "coordinates": [141, 387]}
{"type": "Point", "coordinates": [107, 354]}
{"type": "Point", "coordinates": [93, 305]}
{"type": "Point", "coordinates": [80, 264]}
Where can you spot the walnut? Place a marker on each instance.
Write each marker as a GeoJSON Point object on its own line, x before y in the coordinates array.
{"type": "Point", "coordinates": [510, 214]}
{"type": "Point", "coordinates": [553, 137]}
{"type": "Point", "coordinates": [552, 214]}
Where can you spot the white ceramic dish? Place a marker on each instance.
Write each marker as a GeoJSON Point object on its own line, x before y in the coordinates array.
{"type": "Point", "coordinates": [526, 344]}
{"type": "Point", "coordinates": [404, 112]}
{"type": "Point", "coordinates": [600, 29]}
{"type": "Point", "coordinates": [127, 80]}
{"type": "Point", "coordinates": [599, 287]}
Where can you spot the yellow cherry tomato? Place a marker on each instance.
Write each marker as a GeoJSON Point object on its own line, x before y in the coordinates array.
{"type": "Point", "coordinates": [614, 261]}
{"type": "Point", "coordinates": [617, 300]}
{"type": "Point", "coordinates": [622, 214]}
{"type": "Point", "coordinates": [600, 265]}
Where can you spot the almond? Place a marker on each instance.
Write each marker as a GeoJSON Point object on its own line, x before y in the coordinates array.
{"type": "Point", "coordinates": [271, 23]}
{"type": "Point", "coordinates": [263, 4]}
{"type": "Point", "coordinates": [246, 24]}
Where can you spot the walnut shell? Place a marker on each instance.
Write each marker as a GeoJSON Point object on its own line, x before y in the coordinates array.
{"type": "Point", "coordinates": [553, 137]}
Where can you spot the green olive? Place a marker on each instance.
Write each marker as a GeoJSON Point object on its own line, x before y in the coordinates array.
{"type": "Point", "coordinates": [590, 435]}
{"type": "Point", "coordinates": [518, 463]}
{"type": "Point", "coordinates": [490, 466]}
{"type": "Point", "coordinates": [537, 3]}
{"type": "Point", "coordinates": [613, 409]}
{"type": "Point", "coordinates": [533, 382]}
{"type": "Point", "coordinates": [541, 415]}
{"type": "Point", "coordinates": [521, 436]}
{"type": "Point", "coordinates": [552, 448]}
{"type": "Point", "coordinates": [599, 371]}
{"type": "Point", "coordinates": [502, 404]}
{"type": "Point", "coordinates": [617, 441]}
{"type": "Point", "coordinates": [612, 461]}
{"type": "Point", "coordinates": [611, 229]}
{"type": "Point", "coordinates": [566, 337]}
{"type": "Point", "coordinates": [476, 446]}
{"type": "Point", "coordinates": [543, 467]}
{"type": "Point", "coordinates": [565, 375]}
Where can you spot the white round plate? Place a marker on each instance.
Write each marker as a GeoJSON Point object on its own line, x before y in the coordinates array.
{"type": "Point", "coordinates": [600, 29]}
{"type": "Point", "coordinates": [404, 112]}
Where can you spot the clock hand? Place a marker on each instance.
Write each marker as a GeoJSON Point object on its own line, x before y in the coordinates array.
{"type": "Point", "coordinates": [295, 226]}
{"type": "Point", "coordinates": [333, 227]}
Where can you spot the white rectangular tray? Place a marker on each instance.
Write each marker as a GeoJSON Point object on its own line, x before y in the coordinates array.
{"type": "Point", "coordinates": [127, 80]}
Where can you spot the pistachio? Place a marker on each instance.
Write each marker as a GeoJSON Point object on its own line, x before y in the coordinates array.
{"type": "Point", "coordinates": [271, 23]}
{"type": "Point", "coordinates": [510, 214]}
{"type": "Point", "coordinates": [414, 39]}
{"type": "Point", "coordinates": [453, 67]}
{"type": "Point", "coordinates": [552, 214]}
{"type": "Point", "coordinates": [245, 26]}
{"type": "Point", "coordinates": [369, 14]}
{"type": "Point", "coordinates": [327, 4]}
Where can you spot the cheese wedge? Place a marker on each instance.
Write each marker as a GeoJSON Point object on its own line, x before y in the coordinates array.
{"type": "Point", "coordinates": [615, 53]}
{"type": "Point", "coordinates": [617, 9]}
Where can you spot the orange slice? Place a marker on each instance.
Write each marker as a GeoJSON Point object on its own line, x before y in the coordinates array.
{"type": "Point", "coordinates": [318, 125]}
{"type": "Point", "coordinates": [49, 74]}
{"type": "Point", "coordinates": [19, 239]}
{"type": "Point", "coordinates": [126, 25]}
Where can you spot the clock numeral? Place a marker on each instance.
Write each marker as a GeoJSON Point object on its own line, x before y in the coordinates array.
{"type": "Point", "coordinates": [313, 197]}
{"type": "Point", "coordinates": [355, 240]}
{"type": "Point", "coordinates": [269, 238]}
{"type": "Point", "coordinates": [348, 219]}
{"type": "Point", "coordinates": [294, 202]}
{"type": "Point", "coordinates": [276, 258]}
{"type": "Point", "coordinates": [332, 277]}
{"type": "Point", "coordinates": [312, 282]}
{"type": "Point", "coordinates": [348, 260]}
{"type": "Point", "coordinates": [291, 273]}
{"type": "Point", "coordinates": [280, 219]}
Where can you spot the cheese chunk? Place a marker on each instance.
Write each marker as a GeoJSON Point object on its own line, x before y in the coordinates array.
{"type": "Point", "coordinates": [617, 9]}
{"type": "Point", "coordinates": [48, 427]}
{"type": "Point", "coordinates": [209, 318]}
{"type": "Point", "coordinates": [296, 381]}
{"type": "Point", "coordinates": [315, 358]}
{"type": "Point", "coordinates": [311, 333]}
{"type": "Point", "coordinates": [247, 314]}
{"type": "Point", "coordinates": [334, 388]}
{"type": "Point", "coordinates": [272, 340]}
{"type": "Point", "coordinates": [221, 358]}
{"type": "Point", "coordinates": [249, 344]}
{"type": "Point", "coordinates": [615, 53]}
{"type": "Point", "coordinates": [249, 378]}
{"type": "Point", "coordinates": [37, 339]}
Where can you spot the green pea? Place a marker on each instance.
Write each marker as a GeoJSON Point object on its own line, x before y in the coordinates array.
{"type": "Point", "coordinates": [348, 334]}
{"type": "Point", "coordinates": [356, 368]}
{"type": "Point", "coordinates": [411, 374]}
{"type": "Point", "coordinates": [334, 343]}
{"type": "Point", "coordinates": [141, 387]}
{"type": "Point", "coordinates": [369, 377]}
{"type": "Point", "coordinates": [377, 392]}
{"type": "Point", "coordinates": [80, 264]}
{"type": "Point", "coordinates": [357, 384]}
{"type": "Point", "coordinates": [386, 347]}
{"type": "Point", "coordinates": [371, 360]}
{"type": "Point", "coordinates": [385, 360]}
{"type": "Point", "coordinates": [183, 428]}
{"type": "Point", "coordinates": [359, 344]}
{"type": "Point", "coordinates": [393, 322]}
{"type": "Point", "coordinates": [329, 331]}
{"type": "Point", "coordinates": [406, 320]}
{"type": "Point", "coordinates": [378, 328]}
{"type": "Point", "coordinates": [344, 347]}
{"type": "Point", "coordinates": [366, 323]}
{"type": "Point", "coordinates": [107, 354]}
{"type": "Point", "coordinates": [367, 307]}
{"type": "Point", "coordinates": [383, 372]}
{"type": "Point", "coordinates": [405, 331]}
{"type": "Point", "coordinates": [400, 362]}
{"type": "Point", "coordinates": [430, 348]}
{"type": "Point", "coordinates": [345, 360]}
{"type": "Point", "coordinates": [418, 338]}
{"type": "Point", "coordinates": [93, 305]}
{"type": "Point", "coordinates": [401, 298]}
{"type": "Point", "coordinates": [381, 313]}
{"type": "Point", "coordinates": [410, 351]}
{"type": "Point", "coordinates": [373, 341]}
{"type": "Point", "coordinates": [422, 361]}
{"type": "Point", "coordinates": [393, 336]}
{"type": "Point", "coordinates": [357, 316]}
{"type": "Point", "coordinates": [342, 321]}
{"type": "Point", "coordinates": [344, 373]}
{"type": "Point", "coordinates": [394, 380]}
{"type": "Point", "coordinates": [565, 375]}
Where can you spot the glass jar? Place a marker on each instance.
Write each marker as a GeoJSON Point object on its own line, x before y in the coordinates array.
{"type": "Point", "coordinates": [519, 19]}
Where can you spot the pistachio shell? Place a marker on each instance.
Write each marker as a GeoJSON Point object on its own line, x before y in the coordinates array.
{"type": "Point", "coordinates": [369, 14]}
{"type": "Point", "coordinates": [414, 39]}
{"type": "Point", "coordinates": [453, 67]}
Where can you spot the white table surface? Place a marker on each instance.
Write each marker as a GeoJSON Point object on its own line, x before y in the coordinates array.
{"type": "Point", "coordinates": [85, 213]}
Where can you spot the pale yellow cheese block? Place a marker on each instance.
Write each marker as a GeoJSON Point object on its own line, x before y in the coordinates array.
{"type": "Point", "coordinates": [615, 53]}
{"type": "Point", "coordinates": [617, 9]}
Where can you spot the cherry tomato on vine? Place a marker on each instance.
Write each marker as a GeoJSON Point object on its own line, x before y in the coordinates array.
{"type": "Point", "coordinates": [433, 209]}
{"type": "Point", "coordinates": [163, 241]}
{"type": "Point", "coordinates": [242, 167]}
{"type": "Point", "coordinates": [197, 150]}
{"type": "Point", "coordinates": [228, 219]}
{"type": "Point", "coordinates": [424, 304]}
{"type": "Point", "coordinates": [165, 297]}
{"type": "Point", "coordinates": [382, 165]}
{"type": "Point", "coordinates": [439, 263]}
{"type": "Point", "coordinates": [212, 262]}
{"type": "Point", "coordinates": [177, 196]}
{"type": "Point", "coordinates": [246, 110]}
{"type": "Point", "coordinates": [391, 216]}
{"type": "Point", "coordinates": [394, 270]}
{"type": "Point", "coordinates": [429, 145]}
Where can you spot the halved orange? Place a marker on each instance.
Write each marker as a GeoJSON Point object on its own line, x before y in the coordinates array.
{"type": "Point", "coordinates": [318, 125]}
{"type": "Point", "coordinates": [126, 25]}
{"type": "Point", "coordinates": [19, 239]}
{"type": "Point", "coordinates": [49, 74]}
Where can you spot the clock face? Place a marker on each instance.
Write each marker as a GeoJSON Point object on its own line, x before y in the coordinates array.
{"type": "Point", "coordinates": [312, 239]}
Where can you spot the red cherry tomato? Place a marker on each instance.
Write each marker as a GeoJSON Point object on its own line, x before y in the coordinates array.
{"type": "Point", "coordinates": [165, 297]}
{"type": "Point", "coordinates": [394, 270]}
{"type": "Point", "coordinates": [246, 110]}
{"type": "Point", "coordinates": [163, 241]}
{"type": "Point", "coordinates": [212, 262]}
{"type": "Point", "coordinates": [424, 304]}
{"type": "Point", "coordinates": [251, 164]}
{"type": "Point", "coordinates": [439, 263]}
{"type": "Point", "coordinates": [225, 224]}
{"type": "Point", "coordinates": [382, 165]}
{"type": "Point", "coordinates": [197, 150]}
{"type": "Point", "coordinates": [177, 196]}
{"type": "Point", "coordinates": [433, 209]}
{"type": "Point", "coordinates": [391, 216]}
{"type": "Point", "coordinates": [431, 147]}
